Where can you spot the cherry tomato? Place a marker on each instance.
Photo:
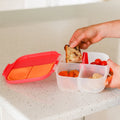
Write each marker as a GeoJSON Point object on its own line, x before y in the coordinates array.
{"type": "Point", "coordinates": [63, 73]}
{"type": "Point", "coordinates": [104, 63]}
{"type": "Point", "coordinates": [73, 73]}
{"type": "Point", "coordinates": [93, 63]}
{"type": "Point", "coordinates": [98, 61]}
{"type": "Point", "coordinates": [76, 73]}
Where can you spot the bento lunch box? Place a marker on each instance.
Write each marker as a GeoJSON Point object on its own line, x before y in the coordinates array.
{"type": "Point", "coordinates": [35, 67]}
{"type": "Point", "coordinates": [83, 82]}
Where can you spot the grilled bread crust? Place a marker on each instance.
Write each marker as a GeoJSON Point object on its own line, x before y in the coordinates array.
{"type": "Point", "coordinates": [73, 55]}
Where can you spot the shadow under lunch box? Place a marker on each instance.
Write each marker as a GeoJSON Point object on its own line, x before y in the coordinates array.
{"type": "Point", "coordinates": [34, 67]}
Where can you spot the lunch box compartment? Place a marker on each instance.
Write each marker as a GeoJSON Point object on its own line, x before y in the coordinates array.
{"type": "Point", "coordinates": [88, 84]}
{"type": "Point", "coordinates": [67, 83]}
{"type": "Point", "coordinates": [83, 82]}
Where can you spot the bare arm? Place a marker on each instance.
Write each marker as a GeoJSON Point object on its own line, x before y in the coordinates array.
{"type": "Point", "coordinates": [112, 29]}
{"type": "Point", "coordinates": [94, 33]}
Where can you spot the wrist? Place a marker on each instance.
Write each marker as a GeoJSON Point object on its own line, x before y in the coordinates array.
{"type": "Point", "coordinates": [102, 30]}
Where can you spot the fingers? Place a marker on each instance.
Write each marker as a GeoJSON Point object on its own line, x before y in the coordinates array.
{"type": "Point", "coordinates": [74, 44]}
{"type": "Point", "coordinates": [85, 45]}
{"type": "Point", "coordinates": [72, 39]}
{"type": "Point", "coordinates": [108, 81]}
{"type": "Point", "coordinates": [90, 33]}
{"type": "Point", "coordinates": [111, 64]}
{"type": "Point", "coordinates": [75, 36]}
{"type": "Point", "coordinates": [113, 84]}
{"type": "Point", "coordinates": [76, 39]}
{"type": "Point", "coordinates": [114, 81]}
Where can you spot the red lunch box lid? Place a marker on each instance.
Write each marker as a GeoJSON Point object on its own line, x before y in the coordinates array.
{"type": "Point", "coordinates": [33, 67]}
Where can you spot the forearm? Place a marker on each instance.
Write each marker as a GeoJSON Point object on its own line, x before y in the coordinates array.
{"type": "Point", "coordinates": [109, 29]}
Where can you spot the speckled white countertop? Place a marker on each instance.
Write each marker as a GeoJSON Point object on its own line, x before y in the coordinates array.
{"type": "Point", "coordinates": [24, 33]}
{"type": "Point", "coordinates": [43, 100]}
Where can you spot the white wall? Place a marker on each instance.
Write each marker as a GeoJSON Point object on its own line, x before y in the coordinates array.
{"type": "Point", "coordinates": [31, 31]}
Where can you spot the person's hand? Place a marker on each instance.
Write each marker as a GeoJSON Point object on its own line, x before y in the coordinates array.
{"type": "Point", "coordinates": [115, 81]}
{"type": "Point", "coordinates": [86, 36]}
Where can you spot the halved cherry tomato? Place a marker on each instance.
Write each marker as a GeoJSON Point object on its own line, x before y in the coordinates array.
{"type": "Point", "coordinates": [63, 73]}
{"type": "Point", "coordinates": [93, 63]}
{"type": "Point", "coordinates": [76, 73]}
{"type": "Point", "coordinates": [98, 62]}
{"type": "Point", "coordinates": [73, 73]}
{"type": "Point", "coordinates": [103, 63]}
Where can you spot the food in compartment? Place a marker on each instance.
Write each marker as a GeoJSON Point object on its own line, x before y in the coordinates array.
{"type": "Point", "coordinates": [96, 76]}
{"type": "Point", "coordinates": [99, 62]}
{"type": "Point", "coordinates": [71, 73]}
{"type": "Point", "coordinates": [63, 73]}
{"type": "Point", "coordinates": [103, 63]}
{"type": "Point", "coordinates": [73, 55]}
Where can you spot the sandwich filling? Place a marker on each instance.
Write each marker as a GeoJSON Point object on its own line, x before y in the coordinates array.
{"type": "Point", "coordinates": [73, 54]}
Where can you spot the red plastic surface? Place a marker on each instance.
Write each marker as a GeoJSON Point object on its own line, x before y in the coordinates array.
{"type": "Point", "coordinates": [85, 58]}
{"type": "Point", "coordinates": [32, 60]}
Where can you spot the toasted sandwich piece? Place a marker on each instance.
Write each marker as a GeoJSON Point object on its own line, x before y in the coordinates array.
{"type": "Point", "coordinates": [73, 55]}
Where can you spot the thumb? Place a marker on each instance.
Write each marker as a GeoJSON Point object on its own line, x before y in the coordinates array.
{"type": "Point", "coordinates": [111, 64]}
